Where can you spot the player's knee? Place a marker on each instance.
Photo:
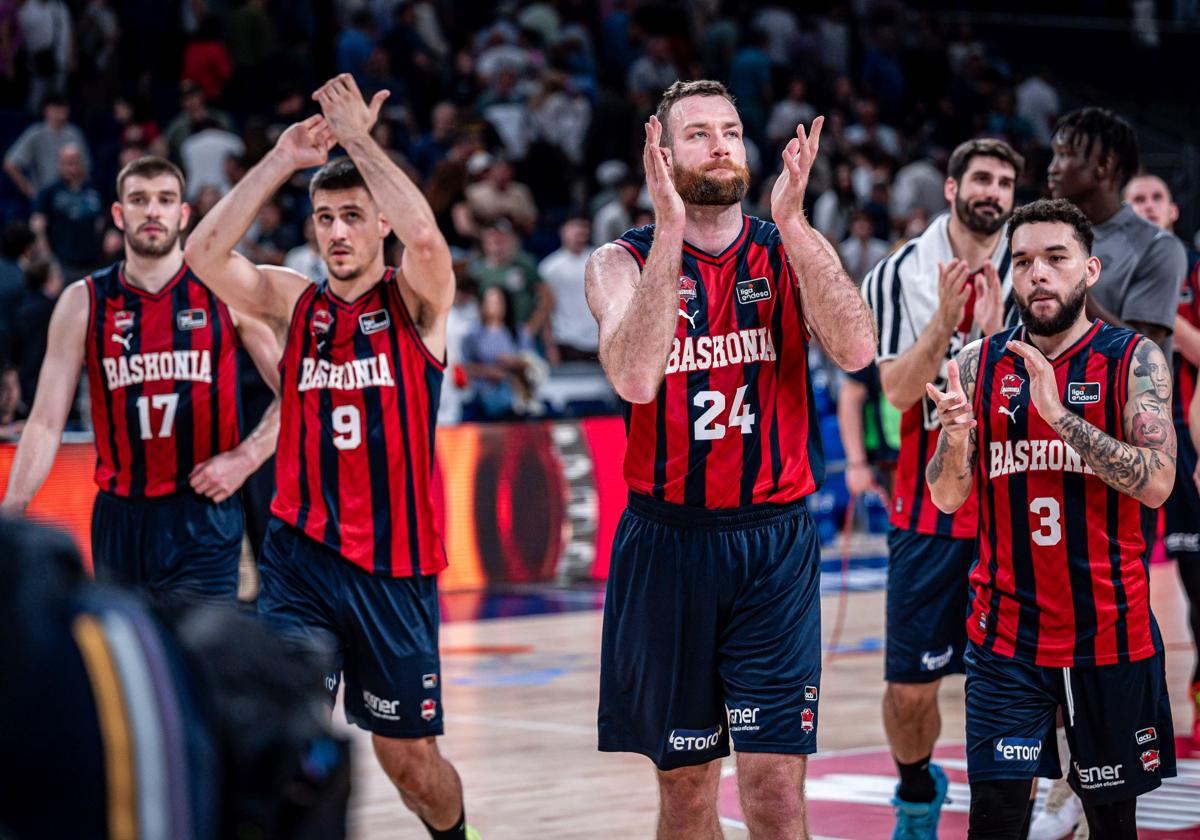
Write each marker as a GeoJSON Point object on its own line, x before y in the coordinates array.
{"type": "Point", "coordinates": [690, 788]}
{"type": "Point", "coordinates": [998, 809]}
{"type": "Point", "coordinates": [1112, 820]}
{"type": "Point", "coordinates": [910, 699]}
{"type": "Point", "coordinates": [772, 792]}
{"type": "Point", "coordinates": [407, 762]}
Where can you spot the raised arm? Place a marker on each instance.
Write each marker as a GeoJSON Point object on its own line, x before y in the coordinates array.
{"type": "Point", "coordinates": [265, 292]}
{"type": "Point", "coordinates": [221, 475]}
{"type": "Point", "coordinates": [1143, 465]}
{"type": "Point", "coordinates": [52, 402]}
{"type": "Point", "coordinates": [833, 307]}
{"type": "Point", "coordinates": [638, 312]}
{"type": "Point", "coordinates": [426, 263]}
{"type": "Point", "coordinates": [951, 471]}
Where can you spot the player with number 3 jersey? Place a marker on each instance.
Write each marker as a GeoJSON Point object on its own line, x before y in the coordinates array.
{"type": "Point", "coordinates": [1064, 426]}
{"type": "Point", "coordinates": [161, 356]}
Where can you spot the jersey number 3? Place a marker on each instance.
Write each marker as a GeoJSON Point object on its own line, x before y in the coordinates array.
{"type": "Point", "coordinates": [706, 426]}
{"type": "Point", "coordinates": [1049, 530]}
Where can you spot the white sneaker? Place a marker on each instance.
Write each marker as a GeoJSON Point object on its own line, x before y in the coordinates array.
{"type": "Point", "coordinates": [1059, 816]}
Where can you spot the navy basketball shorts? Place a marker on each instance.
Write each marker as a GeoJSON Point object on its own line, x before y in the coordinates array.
{"type": "Point", "coordinates": [180, 546]}
{"type": "Point", "coordinates": [1182, 509]}
{"type": "Point", "coordinates": [712, 630]}
{"type": "Point", "coordinates": [1117, 717]}
{"type": "Point", "coordinates": [381, 633]}
{"type": "Point", "coordinates": [926, 605]}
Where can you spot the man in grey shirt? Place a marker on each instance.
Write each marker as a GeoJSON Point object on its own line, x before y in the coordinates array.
{"type": "Point", "coordinates": [32, 161]}
{"type": "Point", "coordinates": [1142, 266]}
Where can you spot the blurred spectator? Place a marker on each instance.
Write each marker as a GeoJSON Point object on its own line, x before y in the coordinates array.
{"type": "Point", "coordinates": [831, 212]}
{"type": "Point", "coordinates": [355, 43]}
{"type": "Point", "coordinates": [834, 32]}
{"type": "Point", "coordinates": [750, 83]}
{"type": "Point", "coordinates": [869, 130]}
{"type": "Point", "coordinates": [204, 155]}
{"type": "Point", "coordinates": [616, 217]}
{"type": "Point", "coordinates": [574, 336]}
{"type": "Point", "coordinates": [920, 183]}
{"type": "Point", "coordinates": [882, 72]}
{"type": "Point", "coordinates": [504, 265]}
{"type": "Point", "coordinates": [788, 113]}
{"type": "Point", "coordinates": [194, 112]}
{"type": "Point", "coordinates": [32, 161]}
{"type": "Point", "coordinates": [433, 147]}
{"type": "Point", "coordinates": [252, 42]}
{"type": "Point", "coordinates": [1005, 123]}
{"type": "Point", "coordinates": [496, 357]}
{"type": "Point", "coordinates": [560, 116]}
{"type": "Point", "coordinates": [446, 193]}
{"type": "Point", "coordinates": [68, 216]}
{"type": "Point", "coordinates": [609, 175]}
{"type": "Point", "coordinates": [861, 251]}
{"type": "Point", "coordinates": [10, 401]}
{"type": "Point", "coordinates": [496, 195]}
{"type": "Point", "coordinates": [43, 285]}
{"type": "Point", "coordinates": [46, 30]}
{"type": "Point", "coordinates": [460, 322]}
{"type": "Point", "coordinates": [16, 248]}
{"type": "Point", "coordinates": [779, 25]}
{"type": "Point", "coordinates": [652, 73]}
{"type": "Point", "coordinates": [1037, 102]}
{"type": "Point", "coordinates": [97, 47]}
{"type": "Point", "coordinates": [268, 241]}
{"type": "Point", "coordinates": [502, 104]}
{"type": "Point", "coordinates": [11, 43]}
{"type": "Point", "coordinates": [305, 258]}
{"type": "Point", "coordinates": [206, 62]}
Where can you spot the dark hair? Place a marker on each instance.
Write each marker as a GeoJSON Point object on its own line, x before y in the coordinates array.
{"type": "Point", "coordinates": [1053, 210]}
{"type": "Point", "coordinates": [56, 99]}
{"type": "Point", "coordinates": [682, 90]}
{"type": "Point", "coordinates": [150, 166]}
{"type": "Point", "coordinates": [37, 273]}
{"type": "Point", "coordinates": [15, 240]}
{"type": "Point", "coordinates": [1116, 137]}
{"type": "Point", "coordinates": [960, 159]}
{"type": "Point", "coordinates": [339, 174]}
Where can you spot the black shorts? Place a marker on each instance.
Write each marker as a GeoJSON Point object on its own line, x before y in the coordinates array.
{"type": "Point", "coordinates": [926, 605]}
{"type": "Point", "coordinates": [177, 546]}
{"type": "Point", "coordinates": [1118, 721]}
{"type": "Point", "coordinates": [1182, 509]}
{"type": "Point", "coordinates": [380, 632]}
{"type": "Point", "coordinates": [712, 629]}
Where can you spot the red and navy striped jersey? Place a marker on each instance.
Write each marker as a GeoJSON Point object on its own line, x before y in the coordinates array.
{"type": "Point", "coordinates": [354, 466]}
{"type": "Point", "coordinates": [163, 376]}
{"type": "Point", "coordinates": [1185, 371]}
{"type": "Point", "coordinates": [1061, 580]}
{"type": "Point", "coordinates": [733, 422]}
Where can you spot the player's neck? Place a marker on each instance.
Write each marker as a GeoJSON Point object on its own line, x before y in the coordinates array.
{"type": "Point", "coordinates": [352, 290]}
{"type": "Point", "coordinates": [150, 274]}
{"type": "Point", "coordinates": [1100, 206]}
{"type": "Point", "coordinates": [710, 228]}
{"type": "Point", "coordinates": [1053, 345]}
{"type": "Point", "coordinates": [966, 244]}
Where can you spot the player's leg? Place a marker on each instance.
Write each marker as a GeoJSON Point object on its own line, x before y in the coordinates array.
{"type": "Point", "coordinates": [687, 802]}
{"type": "Point", "coordinates": [116, 551]}
{"type": "Point", "coordinates": [926, 605]}
{"type": "Point", "coordinates": [1010, 740]}
{"type": "Point", "coordinates": [1112, 820]}
{"type": "Point", "coordinates": [428, 783]}
{"type": "Point", "coordinates": [196, 545]}
{"type": "Point", "coordinates": [660, 694]}
{"type": "Point", "coordinates": [770, 665]}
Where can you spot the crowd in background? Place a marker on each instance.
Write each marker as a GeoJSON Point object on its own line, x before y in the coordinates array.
{"type": "Point", "coordinates": [521, 120]}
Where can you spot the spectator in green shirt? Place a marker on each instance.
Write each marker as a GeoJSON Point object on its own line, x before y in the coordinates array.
{"type": "Point", "coordinates": [505, 265]}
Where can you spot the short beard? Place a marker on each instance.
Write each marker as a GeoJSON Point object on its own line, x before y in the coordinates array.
{"type": "Point", "coordinates": [976, 222]}
{"type": "Point", "coordinates": [146, 249]}
{"type": "Point", "coordinates": [347, 275]}
{"type": "Point", "coordinates": [1068, 312]}
{"type": "Point", "coordinates": [697, 187]}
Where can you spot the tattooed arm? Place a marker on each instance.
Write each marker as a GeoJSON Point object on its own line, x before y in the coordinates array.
{"type": "Point", "coordinates": [951, 471]}
{"type": "Point", "coordinates": [1144, 465]}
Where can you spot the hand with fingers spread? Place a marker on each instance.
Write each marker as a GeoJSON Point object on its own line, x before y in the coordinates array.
{"type": "Point", "coordinates": [954, 410]}
{"type": "Point", "coordinates": [306, 144]}
{"type": "Point", "coordinates": [954, 288]}
{"type": "Point", "coordinates": [660, 177]}
{"type": "Point", "coordinates": [349, 116]}
{"type": "Point", "coordinates": [1043, 386]}
{"type": "Point", "coordinates": [989, 305]}
{"type": "Point", "coordinates": [787, 196]}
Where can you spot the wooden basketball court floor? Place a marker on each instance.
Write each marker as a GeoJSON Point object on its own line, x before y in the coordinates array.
{"type": "Point", "coordinates": [520, 703]}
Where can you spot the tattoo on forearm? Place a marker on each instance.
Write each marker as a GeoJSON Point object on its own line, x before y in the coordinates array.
{"type": "Point", "coordinates": [1120, 465]}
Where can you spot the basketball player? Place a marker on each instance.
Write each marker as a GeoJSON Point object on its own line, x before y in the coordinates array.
{"type": "Point", "coordinates": [946, 287]}
{"type": "Point", "coordinates": [1065, 424]}
{"type": "Point", "coordinates": [712, 615]}
{"type": "Point", "coordinates": [1150, 198]}
{"type": "Point", "coordinates": [161, 357]}
{"type": "Point", "coordinates": [352, 553]}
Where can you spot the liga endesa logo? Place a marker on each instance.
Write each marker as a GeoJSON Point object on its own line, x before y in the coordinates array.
{"type": "Point", "coordinates": [849, 793]}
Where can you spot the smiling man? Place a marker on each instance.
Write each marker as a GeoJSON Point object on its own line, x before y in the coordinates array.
{"type": "Point", "coordinates": [161, 357]}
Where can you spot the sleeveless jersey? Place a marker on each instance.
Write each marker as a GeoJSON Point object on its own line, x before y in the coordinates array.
{"type": "Point", "coordinates": [1185, 371]}
{"type": "Point", "coordinates": [733, 422]}
{"type": "Point", "coordinates": [903, 293]}
{"type": "Point", "coordinates": [1061, 581]}
{"type": "Point", "coordinates": [163, 377]}
{"type": "Point", "coordinates": [354, 466]}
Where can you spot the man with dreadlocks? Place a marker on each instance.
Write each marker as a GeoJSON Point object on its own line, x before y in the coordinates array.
{"type": "Point", "coordinates": [1095, 156]}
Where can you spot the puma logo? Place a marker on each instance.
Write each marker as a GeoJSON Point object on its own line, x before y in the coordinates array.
{"type": "Point", "coordinates": [691, 319]}
{"type": "Point", "coordinates": [1011, 412]}
{"type": "Point", "coordinates": [123, 340]}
